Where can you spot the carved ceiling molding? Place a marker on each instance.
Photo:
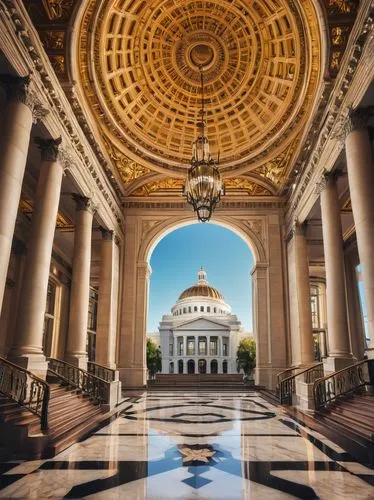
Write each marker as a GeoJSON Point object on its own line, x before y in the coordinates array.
{"type": "Point", "coordinates": [174, 187]}
{"type": "Point", "coordinates": [46, 85]}
{"type": "Point", "coordinates": [336, 111]}
{"type": "Point", "coordinates": [128, 169]}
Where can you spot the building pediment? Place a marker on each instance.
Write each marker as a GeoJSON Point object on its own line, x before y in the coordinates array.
{"type": "Point", "coordinates": [202, 324]}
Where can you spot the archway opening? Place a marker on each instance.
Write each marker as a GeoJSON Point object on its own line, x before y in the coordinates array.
{"type": "Point", "coordinates": [196, 320]}
{"type": "Point", "coordinates": [191, 366]}
{"type": "Point", "coordinates": [202, 366]}
{"type": "Point", "coordinates": [214, 366]}
{"type": "Point", "coordinates": [180, 366]}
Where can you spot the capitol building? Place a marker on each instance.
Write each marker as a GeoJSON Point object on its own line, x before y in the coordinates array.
{"type": "Point", "coordinates": [201, 335]}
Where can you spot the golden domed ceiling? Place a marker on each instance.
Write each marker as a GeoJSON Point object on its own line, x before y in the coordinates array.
{"type": "Point", "coordinates": [139, 68]}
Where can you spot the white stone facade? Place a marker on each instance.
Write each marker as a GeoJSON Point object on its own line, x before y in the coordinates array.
{"type": "Point", "coordinates": [201, 335]}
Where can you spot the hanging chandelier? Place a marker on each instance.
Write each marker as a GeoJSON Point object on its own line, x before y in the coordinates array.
{"type": "Point", "coordinates": [203, 186]}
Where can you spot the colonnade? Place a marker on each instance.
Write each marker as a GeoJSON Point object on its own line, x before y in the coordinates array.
{"type": "Point", "coordinates": [360, 170]}
{"type": "Point", "coordinates": [27, 342]}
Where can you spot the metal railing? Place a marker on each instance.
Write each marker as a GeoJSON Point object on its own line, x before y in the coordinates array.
{"type": "Point", "coordinates": [287, 386]}
{"type": "Point", "coordinates": [286, 374]}
{"type": "Point", "coordinates": [101, 371]}
{"type": "Point", "coordinates": [28, 390]}
{"type": "Point", "coordinates": [88, 384]}
{"type": "Point", "coordinates": [343, 382]}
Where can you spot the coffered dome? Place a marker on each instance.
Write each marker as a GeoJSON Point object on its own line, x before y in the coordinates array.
{"type": "Point", "coordinates": [140, 61]}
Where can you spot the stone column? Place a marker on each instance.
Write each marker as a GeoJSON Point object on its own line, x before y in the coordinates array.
{"type": "Point", "coordinates": [27, 349]}
{"type": "Point", "coordinates": [76, 351]}
{"type": "Point", "coordinates": [360, 168]}
{"type": "Point", "coordinates": [14, 144]}
{"type": "Point", "coordinates": [185, 346]}
{"type": "Point", "coordinates": [108, 302]}
{"type": "Point", "coordinates": [304, 328]}
{"type": "Point", "coordinates": [339, 352]}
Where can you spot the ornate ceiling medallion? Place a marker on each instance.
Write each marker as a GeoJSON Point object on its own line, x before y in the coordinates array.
{"type": "Point", "coordinates": [137, 69]}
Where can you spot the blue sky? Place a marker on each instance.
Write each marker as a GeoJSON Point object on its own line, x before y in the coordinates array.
{"type": "Point", "coordinates": [177, 258]}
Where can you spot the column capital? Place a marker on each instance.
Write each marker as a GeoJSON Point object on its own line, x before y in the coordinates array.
{"type": "Point", "coordinates": [49, 148]}
{"type": "Point", "coordinates": [298, 228]}
{"type": "Point", "coordinates": [357, 119]}
{"type": "Point", "coordinates": [83, 203]}
{"type": "Point", "coordinates": [107, 234]}
{"type": "Point", "coordinates": [327, 179]}
{"type": "Point", "coordinates": [17, 88]}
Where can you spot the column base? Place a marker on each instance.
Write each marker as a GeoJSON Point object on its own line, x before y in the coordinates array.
{"type": "Point", "coordinates": [304, 396]}
{"type": "Point", "coordinates": [76, 360]}
{"type": "Point", "coordinates": [114, 396]}
{"type": "Point", "coordinates": [133, 378]}
{"type": "Point", "coordinates": [331, 364]}
{"type": "Point", "coordinates": [266, 376]}
{"type": "Point", "coordinates": [34, 363]}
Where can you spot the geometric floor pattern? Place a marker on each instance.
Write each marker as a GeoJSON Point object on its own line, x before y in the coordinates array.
{"type": "Point", "coordinates": [195, 445]}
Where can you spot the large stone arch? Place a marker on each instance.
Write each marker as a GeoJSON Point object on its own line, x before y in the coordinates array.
{"type": "Point", "coordinates": [262, 234]}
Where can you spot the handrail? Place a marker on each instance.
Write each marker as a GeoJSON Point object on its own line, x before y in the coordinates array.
{"type": "Point", "coordinates": [285, 374]}
{"type": "Point", "coordinates": [287, 386]}
{"type": "Point", "coordinates": [95, 387]}
{"type": "Point", "coordinates": [28, 390]}
{"type": "Point", "coordinates": [101, 371]}
{"type": "Point", "coordinates": [350, 378]}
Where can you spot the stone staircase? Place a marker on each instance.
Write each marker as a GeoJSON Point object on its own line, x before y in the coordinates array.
{"type": "Point", "coordinates": [348, 421]}
{"type": "Point", "coordinates": [201, 382]}
{"type": "Point", "coordinates": [70, 417]}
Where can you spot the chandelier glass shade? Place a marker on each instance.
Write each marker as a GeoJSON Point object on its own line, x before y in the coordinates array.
{"type": "Point", "coordinates": [203, 186]}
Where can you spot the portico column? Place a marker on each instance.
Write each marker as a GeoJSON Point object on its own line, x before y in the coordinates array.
{"type": "Point", "coordinates": [185, 345]}
{"type": "Point", "coordinates": [360, 170]}
{"type": "Point", "coordinates": [27, 349]}
{"type": "Point", "coordinates": [302, 295]}
{"type": "Point", "coordinates": [76, 351]}
{"type": "Point", "coordinates": [108, 301]}
{"type": "Point", "coordinates": [339, 352]}
{"type": "Point", "coordinates": [17, 121]}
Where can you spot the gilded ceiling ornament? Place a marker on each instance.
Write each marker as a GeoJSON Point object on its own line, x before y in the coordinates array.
{"type": "Point", "coordinates": [168, 186]}
{"type": "Point", "coordinates": [341, 6]}
{"type": "Point", "coordinates": [276, 169]}
{"type": "Point", "coordinates": [53, 39]}
{"type": "Point", "coordinates": [249, 187]}
{"type": "Point", "coordinates": [58, 64]}
{"type": "Point", "coordinates": [128, 169]}
{"type": "Point", "coordinates": [57, 9]}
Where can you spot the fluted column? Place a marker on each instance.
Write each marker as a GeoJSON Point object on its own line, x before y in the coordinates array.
{"type": "Point", "coordinates": [76, 351]}
{"type": "Point", "coordinates": [339, 352]}
{"type": "Point", "coordinates": [304, 327]}
{"type": "Point", "coordinates": [108, 301]}
{"type": "Point", "coordinates": [17, 121]}
{"type": "Point", "coordinates": [360, 168]}
{"type": "Point", "coordinates": [27, 348]}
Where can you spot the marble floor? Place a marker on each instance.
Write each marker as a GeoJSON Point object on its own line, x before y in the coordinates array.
{"type": "Point", "coordinates": [194, 445]}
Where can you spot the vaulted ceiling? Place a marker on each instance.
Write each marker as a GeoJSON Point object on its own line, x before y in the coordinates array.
{"type": "Point", "coordinates": [131, 70]}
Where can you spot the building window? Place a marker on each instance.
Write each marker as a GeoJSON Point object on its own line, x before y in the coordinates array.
{"type": "Point", "coordinates": [202, 346]}
{"type": "Point", "coordinates": [49, 319]}
{"type": "Point", "coordinates": [213, 347]}
{"type": "Point", "coordinates": [195, 308]}
{"type": "Point", "coordinates": [190, 347]}
{"type": "Point", "coordinates": [180, 346]}
{"type": "Point", "coordinates": [92, 323]}
{"type": "Point", "coordinates": [189, 309]}
{"type": "Point", "coordinates": [201, 308]}
{"type": "Point", "coordinates": [225, 350]}
{"type": "Point", "coordinates": [208, 309]}
{"type": "Point", "coordinates": [215, 309]}
{"type": "Point", "coordinates": [184, 310]}
{"type": "Point", "coordinates": [171, 367]}
{"type": "Point", "coordinates": [171, 349]}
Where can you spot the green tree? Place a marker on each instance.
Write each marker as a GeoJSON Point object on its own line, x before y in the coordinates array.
{"type": "Point", "coordinates": [153, 358]}
{"type": "Point", "coordinates": [246, 355]}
